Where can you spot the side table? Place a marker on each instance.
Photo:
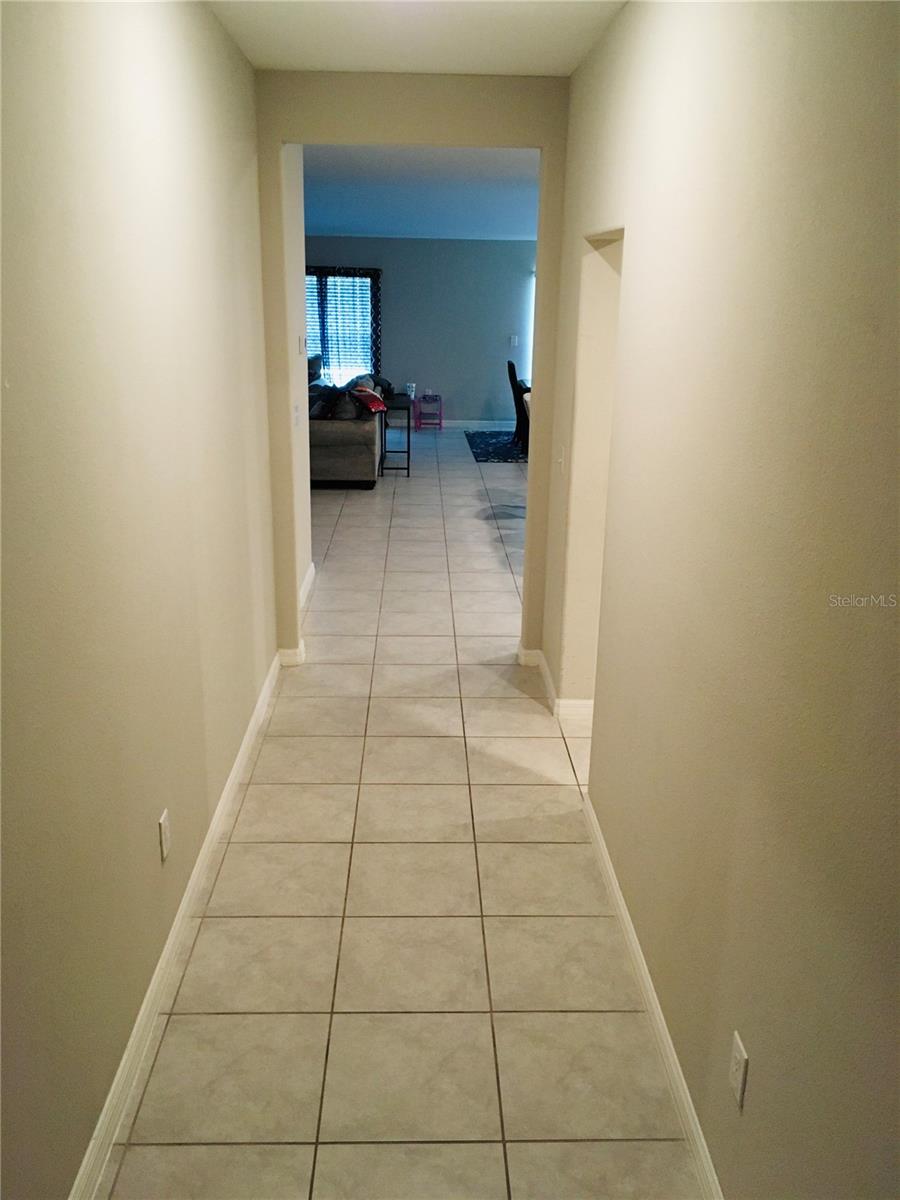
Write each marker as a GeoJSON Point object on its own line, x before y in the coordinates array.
{"type": "Point", "coordinates": [429, 411]}
{"type": "Point", "coordinates": [396, 405]}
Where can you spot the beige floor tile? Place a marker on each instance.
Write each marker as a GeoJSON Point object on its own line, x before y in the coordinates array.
{"type": "Point", "coordinates": [350, 537]}
{"type": "Point", "coordinates": [541, 880]}
{"type": "Point", "coordinates": [288, 880]}
{"type": "Point", "coordinates": [559, 963]}
{"type": "Point", "coordinates": [344, 580]}
{"type": "Point", "coordinates": [425, 517]}
{"type": "Point", "coordinates": [415, 581]}
{"type": "Point", "coordinates": [417, 564]}
{"type": "Point", "coordinates": [412, 964]}
{"type": "Point", "coordinates": [377, 518]}
{"type": "Point", "coordinates": [214, 1173]}
{"type": "Point", "coordinates": [415, 651]}
{"type": "Point", "coordinates": [402, 624]}
{"type": "Point", "coordinates": [433, 880]}
{"type": "Point", "coordinates": [414, 681]}
{"type": "Point", "coordinates": [580, 752]}
{"type": "Point", "coordinates": [334, 600]}
{"type": "Point", "coordinates": [487, 651]}
{"type": "Point", "coordinates": [431, 542]}
{"type": "Point", "coordinates": [411, 1172]}
{"type": "Point", "coordinates": [320, 621]}
{"type": "Point", "coordinates": [492, 624]}
{"type": "Point", "coordinates": [235, 1078]}
{"type": "Point", "coordinates": [418, 717]}
{"type": "Point", "coordinates": [602, 1171]}
{"type": "Point", "coordinates": [482, 581]}
{"type": "Point", "coordinates": [305, 716]}
{"type": "Point", "coordinates": [582, 1075]}
{"type": "Point", "coordinates": [412, 1077]}
{"type": "Point", "coordinates": [417, 603]}
{"type": "Point", "coordinates": [460, 545]}
{"type": "Point", "coordinates": [520, 813]}
{"type": "Point", "coordinates": [309, 760]}
{"type": "Point", "coordinates": [495, 717]}
{"type": "Point", "coordinates": [319, 679]}
{"type": "Point", "coordinates": [354, 559]}
{"type": "Point", "coordinates": [519, 760]}
{"type": "Point", "coordinates": [501, 681]}
{"type": "Point", "coordinates": [261, 964]}
{"type": "Point", "coordinates": [297, 812]}
{"type": "Point", "coordinates": [391, 812]}
{"type": "Point", "coordinates": [325, 649]}
{"type": "Point", "coordinates": [408, 509]}
{"type": "Point", "coordinates": [414, 760]}
{"type": "Point", "coordinates": [471, 561]}
{"type": "Point", "coordinates": [427, 553]}
{"type": "Point", "coordinates": [487, 602]}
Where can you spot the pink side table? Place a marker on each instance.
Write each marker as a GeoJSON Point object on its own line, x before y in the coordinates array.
{"type": "Point", "coordinates": [429, 412]}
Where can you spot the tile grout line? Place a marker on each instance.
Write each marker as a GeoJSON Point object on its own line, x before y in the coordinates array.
{"type": "Point", "coordinates": [337, 965]}
{"type": "Point", "coordinates": [487, 969]}
{"type": "Point", "coordinates": [431, 1142]}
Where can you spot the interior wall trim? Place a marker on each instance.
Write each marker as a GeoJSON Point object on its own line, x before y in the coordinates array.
{"type": "Point", "coordinates": [292, 657]}
{"type": "Point", "coordinates": [167, 968]}
{"type": "Point", "coordinates": [306, 586]}
{"type": "Point", "coordinates": [535, 658]}
{"type": "Point", "coordinates": [693, 1133]}
{"type": "Point", "coordinates": [580, 709]}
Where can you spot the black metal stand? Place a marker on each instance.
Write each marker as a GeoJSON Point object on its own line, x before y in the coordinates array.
{"type": "Point", "coordinates": [405, 451]}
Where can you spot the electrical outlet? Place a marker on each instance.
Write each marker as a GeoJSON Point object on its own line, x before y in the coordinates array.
{"type": "Point", "coordinates": [737, 1070]}
{"type": "Point", "coordinates": [165, 835]}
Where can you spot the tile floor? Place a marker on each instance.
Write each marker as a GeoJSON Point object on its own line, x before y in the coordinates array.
{"type": "Point", "coordinates": [405, 981]}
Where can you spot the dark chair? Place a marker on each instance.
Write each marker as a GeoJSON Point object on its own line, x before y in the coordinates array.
{"type": "Point", "coordinates": [523, 423]}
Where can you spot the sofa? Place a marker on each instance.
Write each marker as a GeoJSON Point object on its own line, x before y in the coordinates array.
{"type": "Point", "coordinates": [345, 453]}
{"type": "Point", "coordinates": [345, 437]}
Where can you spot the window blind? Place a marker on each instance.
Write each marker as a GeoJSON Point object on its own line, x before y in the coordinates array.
{"type": "Point", "coordinates": [343, 321]}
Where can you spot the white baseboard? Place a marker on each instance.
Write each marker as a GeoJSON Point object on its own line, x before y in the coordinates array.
{"type": "Point", "coordinates": [561, 707]}
{"type": "Point", "coordinates": [293, 658]}
{"type": "Point", "coordinates": [510, 425]}
{"type": "Point", "coordinates": [535, 658]}
{"type": "Point", "coordinates": [575, 709]}
{"type": "Point", "coordinates": [706, 1172]}
{"type": "Point", "coordinates": [101, 1143]}
{"type": "Point", "coordinates": [306, 586]}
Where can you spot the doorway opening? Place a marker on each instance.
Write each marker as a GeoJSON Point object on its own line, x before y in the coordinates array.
{"type": "Point", "coordinates": [419, 269]}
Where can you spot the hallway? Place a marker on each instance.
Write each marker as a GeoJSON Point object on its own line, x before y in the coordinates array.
{"type": "Point", "coordinates": [407, 983]}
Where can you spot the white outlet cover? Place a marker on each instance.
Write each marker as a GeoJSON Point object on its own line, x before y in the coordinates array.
{"type": "Point", "coordinates": [737, 1070]}
{"type": "Point", "coordinates": [165, 835]}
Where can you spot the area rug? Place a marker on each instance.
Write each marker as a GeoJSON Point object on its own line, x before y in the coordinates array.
{"type": "Point", "coordinates": [494, 445]}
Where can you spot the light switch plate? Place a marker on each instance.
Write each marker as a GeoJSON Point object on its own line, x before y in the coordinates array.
{"type": "Point", "coordinates": [737, 1070]}
{"type": "Point", "coordinates": [165, 835]}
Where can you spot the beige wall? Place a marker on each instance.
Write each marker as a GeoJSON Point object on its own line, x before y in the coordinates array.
{"type": "Point", "coordinates": [138, 595]}
{"type": "Point", "coordinates": [318, 107]}
{"type": "Point", "coordinates": [743, 737]}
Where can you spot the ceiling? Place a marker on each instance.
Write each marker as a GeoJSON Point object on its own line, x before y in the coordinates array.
{"type": "Point", "coordinates": [421, 192]}
{"type": "Point", "coordinates": [455, 37]}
